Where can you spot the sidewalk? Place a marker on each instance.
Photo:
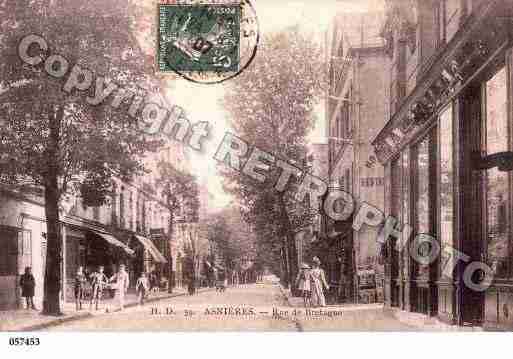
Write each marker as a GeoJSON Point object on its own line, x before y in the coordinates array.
{"type": "Point", "coordinates": [297, 302]}
{"type": "Point", "coordinates": [31, 320]}
{"type": "Point", "coordinates": [426, 323]}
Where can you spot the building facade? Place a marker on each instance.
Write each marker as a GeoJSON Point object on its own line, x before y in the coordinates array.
{"type": "Point", "coordinates": [450, 108]}
{"type": "Point", "coordinates": [133, 228]}
{"type": "Point", "coordinates": [357, 107]}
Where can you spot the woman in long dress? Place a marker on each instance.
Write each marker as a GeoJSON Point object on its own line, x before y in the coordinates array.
{"type": "Point", "coordinates": [318, 281]}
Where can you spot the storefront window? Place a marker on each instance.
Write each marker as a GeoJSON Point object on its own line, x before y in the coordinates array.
{"type": "Point", "coordinates": [422, 196]}
{"type": "Point", "coordinates": [446, 180]}
{"type": "Point", "coordinates": [405, 207]}
{"type": "Point", "coordinates": [395, 209]}
{"type": "Point", "coordinates": [497, 184]}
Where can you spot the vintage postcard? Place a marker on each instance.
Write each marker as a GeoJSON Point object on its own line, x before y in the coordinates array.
{"type": "Point", "coordinates": [255, 165]}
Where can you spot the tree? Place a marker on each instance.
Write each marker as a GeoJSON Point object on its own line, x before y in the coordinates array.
{"type": "Point", "coordinates": [181, 192]}
{"type": "Point", "coordinates": [55, 140]}
{"type": "Point", "coordinates": [233, 238]}
{"type": "Point", "coordinates": [271, 106]}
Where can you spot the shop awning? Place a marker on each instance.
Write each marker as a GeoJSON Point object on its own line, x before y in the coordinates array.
{"type": "Point", "coordinates": [148, 244]}
{"type": "Point", "coordinates": [115, 242]}
{"type": "Point", "coordinates": [82, 225]}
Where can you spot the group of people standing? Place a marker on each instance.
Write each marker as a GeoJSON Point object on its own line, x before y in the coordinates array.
{"type": "Point", "coordinates": [99, 282]}
{"type": "Point", "coordinates": [310, 283]}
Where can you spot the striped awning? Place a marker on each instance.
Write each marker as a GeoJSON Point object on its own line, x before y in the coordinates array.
{"type": "Point", "coordinates": [115, 242]}
{"type": "Point", "coordinates": [108, 237]}
{"type": "Point", "coordinates": [150, 247]}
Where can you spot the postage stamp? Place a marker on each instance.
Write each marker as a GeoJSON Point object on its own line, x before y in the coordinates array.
{"type": "Point", "coordinates": [199, 37]}
{"type": "Point", "coordinates": [206, 43]}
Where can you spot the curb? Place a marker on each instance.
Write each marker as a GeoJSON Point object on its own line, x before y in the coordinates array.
{"type": "Point", "coordinates": [86, 315]}
{"type": "Point", "coordinates": [52, 323]}
{"type": "Point", "coordinates": [429, 323]}
{"type": "Point", "coordinates": [296, 321]}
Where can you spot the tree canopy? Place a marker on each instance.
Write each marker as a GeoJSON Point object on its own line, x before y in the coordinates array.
{"type": "Point", "coordinates": [54, 138]}
{"type": "Point", "coordinates": [271, 106]}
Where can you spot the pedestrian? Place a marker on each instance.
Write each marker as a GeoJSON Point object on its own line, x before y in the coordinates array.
{"type": "Point", "coordinates": [122, 282]}
{"type": "Point", "coordinates": [221, 279]}
{"type": "Point", "coordinates": [303, 284]}
{"type": "Point", "coordinates": [28, 286]}
{"type": "Point", "coordinates": [99, 281]}
{"type": "Point", "coordinates": [141, 287]}
{"type": "Point", "coordinates": [191, 285]}
{"type": "Point", "coordinates": [317, 282]}
{"type": "Point", "coordinates": [153, 281]}
{"type": "Point", "coordinates": [80, 281]}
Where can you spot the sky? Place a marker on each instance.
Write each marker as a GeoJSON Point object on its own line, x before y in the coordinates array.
{"type": "Point", "coordinates": [201, 102]}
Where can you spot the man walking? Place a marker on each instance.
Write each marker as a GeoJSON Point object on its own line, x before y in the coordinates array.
{"type": "Point", "coordinates": [98, 281]}
{"type": "Point", "coordinates": [80, 281]}
{"type": "Point", "coordinates": [142, 286]}
{"type": "Point", "coordinates": [122, 282]}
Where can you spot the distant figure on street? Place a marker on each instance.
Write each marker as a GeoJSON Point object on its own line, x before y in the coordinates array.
{"type": "Point", "coordinates": [221, 279]}
{"type": "Point", "coordinates": [98, 281]}
{"type": "Point", "coordinates": [141, 287]}
{"type": "Point", "coordinates": [122, 282]}
{"type": "Point", "coordinates": [303, 284]}
{"type": "Point", "coordinates": [80, 281]}
{"type": "Point", "coordinates": [191, 284]}
{"type": "Point", "coordinates": [214, 276]}
{"type": "Point", "coordinates": [153, 280]}
{"type": "Point", "coordinates": [28, 286]}
{"type": "Point", "coordinates": [317, 282]}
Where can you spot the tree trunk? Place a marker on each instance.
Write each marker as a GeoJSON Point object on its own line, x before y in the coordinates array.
{"type": "Point", "coordinates": [52, 286]}
{"type": "Point", "coordinates": [171, 279]}
{"type": "Point", "coordinates": [286, 260]}
{"type": "Point", "coordinates": [290, 244]}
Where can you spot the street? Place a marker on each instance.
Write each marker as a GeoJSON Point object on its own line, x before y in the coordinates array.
{"type": "Point", "coordinates": [256, 307]}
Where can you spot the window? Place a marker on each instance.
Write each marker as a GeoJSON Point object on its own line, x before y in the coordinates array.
{"type": "Point", "coordinates": [446, 179]}
{"type": "Point", "coordinates": [114, 204]}
{"type": "Point", "coordinates": [339, 119]}
{"type": "Point", "coordinates": [395, 206]}
{"type": "Point", "coordinates": [24, 249]}
{"type": "Point", "coordinates": [122, 207]}
{"type": "Point", "coordinates": [143, 220]}
{"type": "Point", "coordinates": [131, 210]}
{"type": "Point", "coordinates": [343, 130]}
{"type": "Point", "coordinates": [497, 183]}
{"type": "Point", "coordinates": [398, 71]}
{"type": "Point", "coordinates": [430, 17]}
{"type": "Point", "coordinates": [348, 181]}
{"type": "Point", "coordinates": [405, 205]}
{"type": "Point", "coordinates": [96, 213]}
{"type": "Point", "coordinates": [422, 196]}
{"type": "Point", "coordinates": [440, 22]}
{"type": "Point", "coordinates": [9, 252]}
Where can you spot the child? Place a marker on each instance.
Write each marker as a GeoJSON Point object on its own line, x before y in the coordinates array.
{"type": "Point", "coordinates": [28, 285]}
{"type": "Point", "coordinates": [141, 287]}
{"type": "Point", "coordinates": [303, 283]}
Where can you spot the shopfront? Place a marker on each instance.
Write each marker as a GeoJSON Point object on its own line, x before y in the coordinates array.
{"type": "Point", "coordinates": [89, 247]}
{"type": "Point", "coordinates": [443, 177]}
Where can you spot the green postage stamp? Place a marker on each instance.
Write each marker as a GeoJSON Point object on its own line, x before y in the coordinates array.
{"type": "Point", "coordinates": [200, 38]}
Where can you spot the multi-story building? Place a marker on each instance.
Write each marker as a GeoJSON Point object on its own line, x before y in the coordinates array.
{"type": "Point", "coordinates": [450, 108]}
{"type": "Point", "coordinates": [133, 228]}
{"type": "Point", "coordinates": [356, 105]}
